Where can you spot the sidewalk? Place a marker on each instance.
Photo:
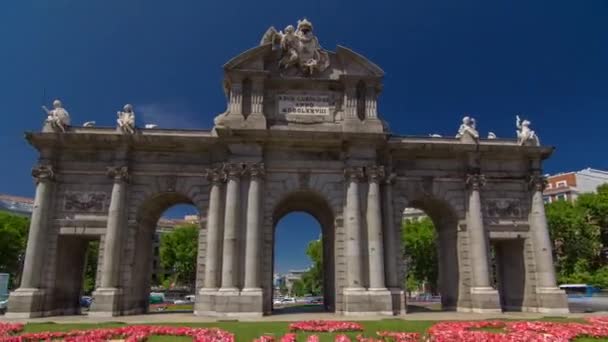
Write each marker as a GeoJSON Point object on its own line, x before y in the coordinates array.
{"type": "Point", "coordinates": [173, 318]}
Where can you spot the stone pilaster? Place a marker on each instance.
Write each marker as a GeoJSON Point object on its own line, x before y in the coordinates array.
{"type": "Point", "coordinates": [371, 107]}
{"type": "Point", "coordinates": [27, 300]}
{"type": "Point", "coordinates": [236, 98]}
{"type": "Point", "coordinates": [231, 222]}
{"type": "Point", "coordinates": [107, 297]}
{"type": "Point", "coordinates": [391, 248]}
{"type": "Point", "coordinates": [374, 229]}
{"type": "Point", "coordinates": [550, 298]}
{"type": "Point", "coordinates": [484, 297]}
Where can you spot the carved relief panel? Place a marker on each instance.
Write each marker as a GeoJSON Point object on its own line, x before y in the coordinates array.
{"type": "Point", "coordinates": [93, 202]}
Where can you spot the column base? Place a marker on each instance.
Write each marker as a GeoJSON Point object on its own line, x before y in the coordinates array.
{"type": "Point", "coordinates": [359, 301]}
{"type": "Point", "coordinates": [106, 302]}
{"type": "Point", "coordinates": [229, 303]}
{"type": "Point", "coordinates": [26, 303]}
{"type": "Point", "coordinates": [399, 301]}
{"type": "Point", "coordinates": [552, 300]}
{"type": "Point", "coordinates": [485, 300]}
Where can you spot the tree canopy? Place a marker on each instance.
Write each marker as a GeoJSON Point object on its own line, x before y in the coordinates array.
{"type": "Point", "coordinates": [13, 240]}
{"type": "Point", "coordinates": [178, 250]}
{"type": "Point", "coordinates": [312, 280]}
{"type": "Point", "coordinates": [419, 239]}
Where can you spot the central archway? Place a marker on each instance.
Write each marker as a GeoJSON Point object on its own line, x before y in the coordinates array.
{"type": "Point", "coordinates": [315, 205]}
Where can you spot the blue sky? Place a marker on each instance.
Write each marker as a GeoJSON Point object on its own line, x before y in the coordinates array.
{"type": "Point", "coordinates": [547, 60]}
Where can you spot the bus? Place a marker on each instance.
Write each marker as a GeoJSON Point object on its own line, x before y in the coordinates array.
{"type": "Point", "coordinates": [579, 290]}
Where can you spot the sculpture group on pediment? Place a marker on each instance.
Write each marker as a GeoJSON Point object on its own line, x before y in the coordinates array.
{"type": "Point", "coordinates": [58, 118]}
{"type": "Point", "coordinates": [300, 48]}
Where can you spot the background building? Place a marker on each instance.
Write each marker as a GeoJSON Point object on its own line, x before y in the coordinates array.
{"type": "Point", "coordinates": [16, 205]}
{"type": "Point", "coordinates": [413, 214]}
{"type": "Point", "coordinates": [567, 186]}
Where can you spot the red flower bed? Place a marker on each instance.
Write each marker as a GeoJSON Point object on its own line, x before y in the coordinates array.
{"type": "Point", "coordinates": [130, 334]}
{"type": "Point", "coordinates": [325, 326]}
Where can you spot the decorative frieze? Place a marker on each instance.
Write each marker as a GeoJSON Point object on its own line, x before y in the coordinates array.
{"type": "Point", "coordinates": [503, 208]}
{"type": "Point", "coordinates": [87, 202]}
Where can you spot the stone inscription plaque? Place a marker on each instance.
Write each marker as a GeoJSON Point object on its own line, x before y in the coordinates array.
{"type": "Point", "coordinates": [301, 103]}
{"type": "Point", "coordinates": [305, 107]}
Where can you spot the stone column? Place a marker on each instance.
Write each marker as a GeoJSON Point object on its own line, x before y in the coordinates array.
{"type": "Point", "coordinates": [551, 298]}
{"type": "Point", "coordinates": [390, 239]}
{"type": "Point", "coordinates": [231, 221]}
{"type": "Point", "coordinates": [116, 223]}
{"type": "Point", "coordinates": [34, 254]}
{"type": "Point", "coordinates": [352, 223]}
{"type": "Point", "coordinates": [108, 295]}
{"type": "Point", "coordinates": [374, 229]}
{"type": "Point", "coordinates": [484, 297]}
{"type": "Point", "coordinates": [214, 229]}
{"type": "Point", "coordinates": [254, 234]}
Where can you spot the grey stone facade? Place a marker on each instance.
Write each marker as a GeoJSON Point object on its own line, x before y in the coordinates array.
{"type": "Point", "coordinates": [333, 158]}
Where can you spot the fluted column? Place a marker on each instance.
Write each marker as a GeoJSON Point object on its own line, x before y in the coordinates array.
{"type": "Point", "coordinates": [545, 273]}
{"type": "Point", "coordinates": [231, 221]}
{"type": "Point", "coordinates": [214, 229]}
{"type": "Point", "coordinates": [253, 242]}
{"type": "Point", "coordinates": [352, 223]}
{"type": "Point", "coordinates": [478, 245]}
{"type": "Point", "coordinates": [116, 223]}
{"type": "Point", "coordinates": [34, 254]}
{"type": "Point", "coordinates": [374, 229]}
{"type": "Point", "coordinates": [390, 240]}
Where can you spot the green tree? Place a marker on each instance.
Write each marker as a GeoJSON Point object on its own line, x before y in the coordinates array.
{"type": "Point", "coordinates": [419, 238]}
{"type": "Point", "coordinates": [312, 280]}
{"type": "Point", "coordinates": [297, 288]}
{"type": "Point", "coordinates": [13, 240]}
{"type": "Point", "coordinates": [595, 206]}
{"type": "Point", "coordinates": [90, 271]}
{"type": "Point", "coordinates": [575, 238]}
{"type": "Point", "coordinates": [178, 253]}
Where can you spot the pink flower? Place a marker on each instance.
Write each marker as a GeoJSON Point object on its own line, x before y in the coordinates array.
{"type": "Point", "coordinates": [325, 326]}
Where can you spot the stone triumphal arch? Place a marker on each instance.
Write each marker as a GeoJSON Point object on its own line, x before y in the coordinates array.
{"type": "Point", "coordinates": [301, 132]}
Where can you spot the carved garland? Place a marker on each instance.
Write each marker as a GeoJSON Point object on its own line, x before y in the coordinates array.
{"type": "Point", "coordinates": [78, 201]}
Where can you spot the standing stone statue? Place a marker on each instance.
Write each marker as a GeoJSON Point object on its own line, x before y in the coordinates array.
{"type": "Point", "coordinates": [468, 130]}
{"type": "Point", "coordinates": [126, 119]}
{"type": "Point", "coordinates": [525, 136]}
{"type": "Point", "coordinates": [58, 118]}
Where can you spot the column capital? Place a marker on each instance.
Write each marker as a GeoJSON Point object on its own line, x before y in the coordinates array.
{"type": "Point", "coordinates": [354, 173]}
{"type": "Point", "coordinates": [233, 170]}
{"type": "Point", "coordinates": [215, 174]}
{"type": "Point", "coordinates": [537, 182]}
{"type": "Point", "coordinates": [118, 173]}
{"type": "Point", "coordinates": [475, 181]}
{"type": "Point", "coordinates": [375, 173]}
{"type": "Point", "coordinates": [256, 170]}
{"type": "Point", "coordinates": [43, 173]}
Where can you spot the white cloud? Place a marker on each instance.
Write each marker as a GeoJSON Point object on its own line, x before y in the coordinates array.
{"type": "Point", "coordinates": [167, 115]}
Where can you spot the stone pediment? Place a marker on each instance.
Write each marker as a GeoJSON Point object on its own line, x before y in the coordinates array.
{"type": "Point", "coordinates": [342, 62]}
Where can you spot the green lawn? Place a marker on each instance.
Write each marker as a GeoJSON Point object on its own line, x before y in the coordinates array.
{"type": "Point", "coordinates": [247, 331]}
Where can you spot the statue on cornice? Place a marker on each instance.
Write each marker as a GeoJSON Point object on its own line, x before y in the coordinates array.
{"type": "Point", "coordinates": [468, 127]}
{"type": "Point", "coordinates": [58, 118]}
{"type": "Point", "coordinates": [126, 119]}
{"type": "Point", "coordinates": [299, 47]}
{"type": "Point", "coordinates": [525, 136]}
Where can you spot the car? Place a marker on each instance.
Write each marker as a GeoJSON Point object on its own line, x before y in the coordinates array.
{"type": "Point", "coordinates": [3, 306]}
{"type": "Point", "coordinates": [288, 301]}
{"type": "Point", "coordinates": [86, 301]}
